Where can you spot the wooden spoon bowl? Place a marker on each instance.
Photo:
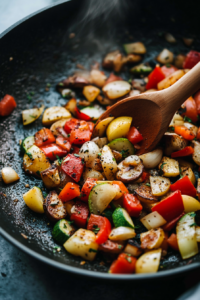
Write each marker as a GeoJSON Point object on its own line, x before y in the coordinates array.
{"type": "Point", "coordinates": [153, 112]}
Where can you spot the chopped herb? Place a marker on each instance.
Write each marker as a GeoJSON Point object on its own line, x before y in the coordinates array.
{"type": "Point", "coordinates": [38, 173]}
{"type": "Point", "coordinates": [192, 214]}
{"type": "Point", "coordinates": [70, 222]}
{"type": "Point", "coordinates": [161, 168]}
{"type": "Point", "coordinates": [181, 175]}
{"type": "Point", "coordinates": [172, 128]}
{"type": "Point", "coordinates": [83, 161]}
{"type": "Point", "coordinates": [187, 119]}
{"type": "Point", "coordinates": [29, 98]}
{"type": "Point", "coordinates": [68, 135]}
{"type": "Point", "coordinates": [45, 194]}
{"type": "Point", "coordinates": [78, 212]}
{"type": "Point", "coordinates": [76, 155]}
{"type": "Point", "coordinates": [193, 224]}
{"type": "Point", "coordinates": [124, 153]}
{"type": "Point", "coordinates": [60, 84]}
{"type": "Point", "coordinates": [148, 184]}
{"type": "Point", "coordinates": [137, 226]}
{"type": "Point", "coordinates": [130, 80]}
{"type": "Point", "coordinates": [1, 163]}
{"type": "Point", "coordinates": [113, 159]}
{"type": "Point", "coordinates": [99, 154]}
{"type": "Point", "coordinates": [60, 189]}
{"type": "Point", "coordinates": [54, 203]}
{"type": "Point", "coordinates": [59, 160]}
{"type": "Point", "coordinates": [128, 259]}
{"type": "Point", "coordinates": [195, 139]}
{"type": "Point", "coordinates": [64, 225]}
{"type": "Point", "coordinates": [119, 246]}
{"type": "Point", "coordinates": [32, 116]}
{"type": "Point", "coordinates": [32, 93]}
{"type": "Point", "coordinates": [92, 250]}
{"type": "Point", "coordinates": [29, 155]}
{"type": "Point", "coordinates": [95, 229]}
{"type": "Point", "coordinates": [56, 247]}
{"type": "Point", "coordinates": [54, 251]}
{"type": "Point", "coordinates": [168, 65]}
{"type": "Point", "coordinates": [48, 84]}
{"type": "Point", "coordinates": [86, 151]}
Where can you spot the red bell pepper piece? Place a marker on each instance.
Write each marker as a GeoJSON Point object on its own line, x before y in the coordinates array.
{"type": "Point", "coordinates": [185, 186]}
{"type": "Point", "coordinates": [172, 241]}
{"type": "Point", "coordinates": [191, 109]}
{"type": "Point", "coordinates": [184, 132]}
{"type": "Point", "coordinates": [154, 78]}
{"type": "Point", "coordinates": [132, 205]}
{"type": "Point", "coordinates": [74, 150]}
{"type": "Point", "coordinates": [70, 191]}
{"type": "Point", "coordinates": [75, 124]}
{"type": "Point", "coordinates": [63, 143]}
{"type": "Point", "coordinates": [73, 167]}
{"type": "Point", "coordinates": [101, 226]}
{"type": "Point", "coordinates": [168, 70]}
{"type": "Point", "coordinates": [134, 136]}
{"type": "Point", "coordinates": [171, 207]}
{"type": "Point", "coordinates": [44, 137]}
{"type": "Point", "coordinates": [112, 77]}
{"type": "Point", "coordinates": [80, 214]}
{"type": "Point", "coordinates": [184, 152]}
{"type": "Point", "coordinates": [7, 105]}
{"type": "Point", "coordinates": [122, 187]}
{"type": "Point", "coordinates": [192, 58]}
{"type": "Point", "coordinates": [52, 151]}
{"type": "Point", "coordinates": [197, 100]}
{"type": "Point", "coordinates": [87, 187]}
{"type": "Point", "coordinates": [125, 264]}
{"type": "Point", "coordinates": [79, 136]}
{"type": "Point", "coordinates": [170, 225]}
{"type": "Point", "coordinates": [145, 176]}
{"type": "Point", "coordinates": [80, 115]}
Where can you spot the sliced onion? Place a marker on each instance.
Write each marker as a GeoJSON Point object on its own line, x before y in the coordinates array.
{"type": "Point", "coordinates": [89, 151]}
{"type": "Point", "coordinates": [152, 159]}
{"type": "Point", "coordinates": [170, 38]}
{"type": "Point", "coordinates": [116, 89]}
{"type": "Point", "coordinates": [9, 175]}
{"type": "Point", "coordinates": [153, 220]}
{"type": "Point", "coordinates": [165, 57]}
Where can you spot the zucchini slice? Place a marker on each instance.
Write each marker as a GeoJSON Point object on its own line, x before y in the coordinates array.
{"type": "Point", "coordinates": [62, 231]}
{"type": "Point", "coordinates": [93, 112]}
{"type": "Point", "coordinates": [123, 146]}
{"type": "Point", "coordinates": [186, 236]}
{"type": "Point", "coordinates": [121, 218]}
{"type": "Point", "coordinates": [100, 197]}
{"type": "Point", "coordinates": [27, 143]}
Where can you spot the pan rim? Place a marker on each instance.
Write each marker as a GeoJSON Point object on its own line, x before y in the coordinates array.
{"type": "Point", "coordinates": [64, 267]}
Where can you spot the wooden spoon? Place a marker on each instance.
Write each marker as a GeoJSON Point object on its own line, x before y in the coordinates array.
{"type": "Point", "coordinates": [153, 112]}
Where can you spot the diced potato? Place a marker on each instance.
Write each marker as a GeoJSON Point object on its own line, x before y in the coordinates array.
{"type": "Point", "coordinates": [50, 177]}
{"type": "Point", "coordinates": [100, 128]}
{"type": "Point", "coordinates": [91, 92]}
{"type": "Point", "coordinates": [133, 248]}
{"type": "Point", "coordinates": [82, 243]}
{"type": "Point", "coordinates": [169, 166]}
{"type": "Point", "coordinates": [173, 142]}
{"type": "Point", "coordinates": [32, 114]}
{"type": "Point", "coordinates": [196, 154]}
{"type": "Point", "coordinates": [116, 89]}
{"type": "Point", "coordinates": [71, 105]}
{"type": "Point", "coordinates": [137, 48]}
{"type": "Point", "coordinates": [118, 128]}
{"type": "Point", "coordinates": [176, 120]}
{"type": "Point", "coordinates": [108, 163]}
{"type": "Point", "coordinates": [56, 125]}
{"type": "Point", "coordinates": [152, 239]}
{"type": "Point", "coordinates": [193, 129]}
{"type": "Point", "coordinates": [90, 173]}
{"type": "Point", "coordinates": [122, 233]}
{"type": "Point", "coordinates": [98, 78]}
{"type": "Point", "coordinates": [34, 200]}
{"type": "Point", "coordinates": [189, 173]}
{"type": "Point", "coordinates": [159, 185]}
{"type": "Point", "coordinates": [148, 262]}
{"type": "Point", "coordinates": [170, 80]}
{"type": "Point", "coordinates": [118, 62]}
{"type": "Point", "coordinates": [35, 161]}
{"type": "Point", "coordinates": [9, 175]}
{"type": "Point", "coordinates": [198, 188]}
{"type": "Point", "coordinates": [109, 59]}
{"type": "Point", "coordinates": [197, 229]}
{"type": "Point", "coordinates": [53, 114]}
{"type": "Point", "coordinates": [190, 204]}
{"type": "Point", "coordinates": [153, 220]}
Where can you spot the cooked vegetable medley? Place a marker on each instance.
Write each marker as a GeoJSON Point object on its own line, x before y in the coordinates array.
{"type": "Point", "coordinates": [103, 197]}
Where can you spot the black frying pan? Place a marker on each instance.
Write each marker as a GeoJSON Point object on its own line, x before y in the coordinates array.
{"type": "Point", "coordinates": [37, 51]}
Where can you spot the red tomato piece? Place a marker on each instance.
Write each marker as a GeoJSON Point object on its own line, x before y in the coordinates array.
{"type": "Point", "coordinates": [184, 152]}
{"type": "Point", "coordinates": [154, 78]}
{"type": "Point", "coordinates": [112, 77]}
{"type": "Point", "coordinates": [75, 124]}
{"type": "Point", "coordinates": [168, 70]}
{"type": "Point", "coordinates": [192, 58]}
{"type": "Point", "coordinates": [74, 150]}
{"type": "Point", "coordinates": [44, 137]}
{"type": "Point", "coordinates": [185, 186]}
{"type": "Point", "coordinates": [172, 241]}
{"type": "Point", "coordinates": [134, 136]}
{"type": "Point", "coordinates": [7, 105]}
{"type": "Point", "coordinates": [69, 192]}
{"type": "Point", "coordinates": [122, 187]}
{"type": "Point", "coordinates": [87, 187]}
{"type": "Point", "coordinates": [132, 205]}
{"type": "Point", "coordinates": [101, 226]}
{"type": "Point", "coordinates": [80, 214]}
{"type": "Point", "coordinates": [52, 151]}
{"type": "Point", "coordinates": [73, 167]}
{"type": "Point", "coordinates": [80, 115]}
{"type": "Point", "coordinates": [63, 143]}
{"type": "Point", "coordinates": [191, 109]}
{"type": "Point", "coordinates": [184, 132]}
{"type": "Point", "coordinates": [79, 136]}
{"type": "Point", "coordinates": [125, 264]}
{"type": "Point", "coordinates": [171, 207]}
{"type": "Point", "coordinates": [170, 225]}
{"type": "Point", "coordinates": [197, 100]}
{"type": "Point", "coordinates": [145, 176]}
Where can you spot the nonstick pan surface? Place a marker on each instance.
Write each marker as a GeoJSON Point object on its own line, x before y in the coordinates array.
{"type": "Point", "coordinates": [38, 51]}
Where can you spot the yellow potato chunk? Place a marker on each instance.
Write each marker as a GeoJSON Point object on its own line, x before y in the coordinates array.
{"type": "Point", "coordinates": [100, 128]}
{"type": "Point", "coordinates": [169, 167]}
{"type": "Point", "coordinates": [91, 92]}
{"type": "Point", "coordinates": [53, 114]}
{"type": "Point", "coordinates": [148, 262]}
{"type": "Point", "coordinates": [190, 204]}
{"type": "Point", "coordinates": [34, 200]}
{"type": "Point", "coordinates": [159, 185]}
{"type": "Point", "coordinates": [118, 128]}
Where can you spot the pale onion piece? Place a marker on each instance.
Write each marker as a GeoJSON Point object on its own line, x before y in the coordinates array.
{"type": "Point", "coordinates": [90, 173]}
{"type": "Point", "coordinates": [32, 114]}
{"type": "Point", "coordinates": [122, 233]}
{"type": "Point", "coordinates": [53, 114]}
{"type": "Point", "coordinates": [81, 243]}
{"type": "Point", "coordinates": [152, 159]}
{"type": "Point", "coordinates": [165, 57]}
{"type": "Point", "coordinates": [176, 120]}
{"type": "Point", "coordinates": [197, 229]}
{"type": "Point", "coordinates": [9, 175]}
{"type": "Point", "coordinates": [152, 239]}
{"type": "Point", "coordinates": [118, 128]}
{"type": "Point", "coordinates": [196, 154]}
{"type": "Point", "coordinates": [187, 41]}
{"type": "Point", "coordinates": [108, 163]}
{"type": "Point", "coordinates": [54, 126]}
{"type": "Point", "coordinates": [170, 80]}
{"type": "Point", "coordinates": [116, 89]}
{"type": "Point", "coordinates": [100, 128]}
{"type": "Point", "coordinates": [100, 141]}
{"type": "Point", "coordinates": [34, 200]}
{"type": "Point", "coordinates": [89, 151]}
{"type": "Point", "coordinates": [170, 38]}
{"type": "Point", "coordinates": [90, 92]}
{"type": "Point", "coordinates": [159, 185]}
{"type": "Point", "coordinates": [98, 78]}
{"type": "Point", "coordinates": [148, 262]}
{"type": "Point", "coordinates": [190, 204]}
{"type": "Point", "coordinates": [153, 220]}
